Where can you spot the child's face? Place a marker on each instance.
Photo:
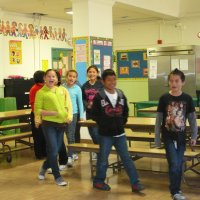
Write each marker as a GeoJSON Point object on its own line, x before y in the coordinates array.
{"type": "Point", "coordinates": [51, 79]}
{"type": "Point", "coordinates": [92, 74]}
{"type": "Point", "coordinates": [71, 78]}
{"type": "Point", "coordinates": [110, 82]}
{"type": "Point", "coordinates": [175, 83]}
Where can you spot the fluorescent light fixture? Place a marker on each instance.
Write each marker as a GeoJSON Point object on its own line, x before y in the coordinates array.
{"type": "Point", "coordinates": [69, 11]}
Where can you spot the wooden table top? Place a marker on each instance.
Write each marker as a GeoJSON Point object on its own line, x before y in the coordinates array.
{"type": "Point", "coordinates": [154, 109]}
{"type": "Point", "coordinates": [135, 122]}
{"type": "Point", "coordinates": [14, 114]}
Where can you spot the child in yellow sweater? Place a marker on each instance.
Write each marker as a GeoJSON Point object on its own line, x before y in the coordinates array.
{"type": "Point", "coordinates": [51, 111]}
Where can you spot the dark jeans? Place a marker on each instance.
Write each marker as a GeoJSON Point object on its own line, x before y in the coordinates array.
{"type": "Point", "coordinates": [63, 157]}
{"type": "Point", "coordinates": [94, 134]}
{"type": "Point", "coordinates": [54, 140]}
{"type": "Point", "coordinates": [77, 131]}
{"type": "Point", "coordinates": [70, 132]}
{"type": "Point", "coordinates": [120, 144]}
{"type": "Point", "coordinates": [175, 162]}
{"type": "Point", "coordinates": [38, 139]}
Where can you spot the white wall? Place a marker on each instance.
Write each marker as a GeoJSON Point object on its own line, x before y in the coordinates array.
{"type": "Point", "coordinates": [33, 50]}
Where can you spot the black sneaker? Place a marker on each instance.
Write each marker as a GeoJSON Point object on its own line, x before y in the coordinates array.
{"type": "Point", "coordinates": [101, 186]}
{"type": "Point", "coordinates": [137, 187]}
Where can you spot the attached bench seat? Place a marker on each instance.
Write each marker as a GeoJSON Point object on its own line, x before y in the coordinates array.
{"type": "Point", "coordinates": [13, 126]}
{"type": "Point", "coordinates": [18, 138]}
{"type": "Point", "coordinates": [137, 153]}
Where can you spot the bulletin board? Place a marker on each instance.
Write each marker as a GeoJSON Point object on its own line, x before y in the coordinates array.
{"type": "Point", "coordinates": [101, 52]}
{"type": "Point", "coordinates": [132, 64]}
{"type": "Point", "coordinates": [61, 59]}
{"type": "Point", "coordinates": [80, 57]}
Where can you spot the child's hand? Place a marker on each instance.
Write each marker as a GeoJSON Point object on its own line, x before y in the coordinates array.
{"type": "Point", "coordinates": [193, 142]}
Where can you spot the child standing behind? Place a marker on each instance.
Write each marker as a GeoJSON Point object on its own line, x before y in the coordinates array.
{"type": "Point", "coordinates": [110, 111]}
{"type": "Point", "coordinates": [176, 106]}
{"type": "Point", "coordinates": [77, 104]}
{"type": "Point", "coordinates": [38, 136]}
{"type": "Point", "coordinates": [89, 90]}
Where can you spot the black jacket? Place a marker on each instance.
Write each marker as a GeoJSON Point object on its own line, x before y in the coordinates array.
{"type": "Point", "coordinates": [89, 91]}
{"type": "Point", "coordinates": [110, 120]}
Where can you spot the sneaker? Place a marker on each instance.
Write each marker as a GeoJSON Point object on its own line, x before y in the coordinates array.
{"type": "Point", "coordinates": [62, 167]}
{"type": "Point", "coordinates": [59, 181]}
{"type": "Point", "coordinates": [49, 170]}
{"type": "Point", "coordinates": [75, 156]}
{"type": "Point", "coordinates": [41, 175]}
{"type": "Point", "coordinates": [70, 162]}
{"type": "Point", "coordinates": [101, 186]}
{"type": "Point", "coordinates": [137, 187]}
{"type": "Point", "coordinates": [178, 196]}
{"type": "Point", "coordinates": [94, 156]}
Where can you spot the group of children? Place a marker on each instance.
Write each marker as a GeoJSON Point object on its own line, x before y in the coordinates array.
{"type": "Point", "coordinates": [56, 107]}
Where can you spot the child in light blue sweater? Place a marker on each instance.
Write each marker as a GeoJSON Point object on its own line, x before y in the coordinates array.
{"type": "Point", "coordinates": [77, 104]}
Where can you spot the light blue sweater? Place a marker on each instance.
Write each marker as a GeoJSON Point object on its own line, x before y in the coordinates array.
{"type": "Point", "coordinates": [76, 98]}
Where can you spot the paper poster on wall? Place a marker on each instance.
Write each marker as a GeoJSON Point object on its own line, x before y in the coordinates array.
{"type": "Point", "coordinates": [55, 65]}
{"type": "Point", "coordinates": [45, 65]}
{"type": "Point", "coordinates": [124, 70]}
{"type": "Point", "coordinates": [81, 54]}
{"type": "Point", "coordinates": [174, 64]}
{"type": "Point", "coordinates": [106, 62]}
{"type": "Point", "coordinates": [183, 64]}
{"type": "Point", "coordinates": [97, 57]}
{"type": "Point", "coordinates": [135, 63]}
{"type": "Point", "coordinates": [15, 52]}
{"type": "Point", "coordinates": [124, 56]}
{"type": "Point", "coordinates": [153, 69]}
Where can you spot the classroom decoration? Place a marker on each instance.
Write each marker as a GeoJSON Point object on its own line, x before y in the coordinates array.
{"type": "Point", "coordinates": [15, 52]}
{"type": "Point", "coordinates": [101, 52]}
{"type": "Point", "coordinates": [80, 57]}
{"type": "Point", "coordinates": [61, 59]}
{"type": "Point", "coordinates": [132, 64]}
{"type": "Point", "coordinates": [29, 31]}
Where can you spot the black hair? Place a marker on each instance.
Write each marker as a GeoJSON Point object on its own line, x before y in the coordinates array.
{"type": "Point", "coordinates": [93, 67]}
{"type": "Point", "coordinates": [108, 72]}
{"type": "Point", "coordinates": [177, 72]}
{"type": "Point", "coordinates": [58, 77]}
{"type": "Point", "coordinates": [72, 70]}
{"type": "Point", "coordinates": [39, 76]}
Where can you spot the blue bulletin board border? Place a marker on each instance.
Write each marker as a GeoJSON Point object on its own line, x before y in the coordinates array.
{"type": "Point", "coordinates": [132, 64]}
{"type": "Point", "coordinates": [102, 47]}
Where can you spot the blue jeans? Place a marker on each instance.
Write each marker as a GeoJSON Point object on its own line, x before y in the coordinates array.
{"type": "Point", "coordinates": [70, 132]}
{"type": "Point", "coordinates": [120, 144]}
{"type": "Point", "coordinates": [54, 140]}
{"type": "Point", "coordinates": [175, 162]}
{"type": "Point", "coordinates": [94, 134]}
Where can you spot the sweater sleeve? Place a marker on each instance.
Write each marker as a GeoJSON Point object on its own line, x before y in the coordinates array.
{"type": "Point", "coordinates": [80, 103]}
{"type": "Point", "coordinates": [95, 110]}
{"type": "Point", "coordinates": [193, 125]}
{"type": "Point", "coordinates": [68, 105]}
{"type": "Point", "coordinates": [159, 119]}
{"type": "Point", "coordinates": [126, 110]}
{"type": "Point", "coordinates": [38, 106]}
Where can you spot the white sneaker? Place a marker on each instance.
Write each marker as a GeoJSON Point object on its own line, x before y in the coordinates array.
{"type": "Point", "coordinates": [41, 175]}
{"type": "Point", "coordinates": [49, 170]}
{"type": "Point", "coordinates": [59, 181]}
{"type": "Point", "coordinates": [62, 167]}
{"type": "Point", "coordinates": [75, 156]}
{"type": "Point", "coordinates": [179, 196]}
{"type": "Point", "coordinates": [94, 156]}
{"type": "Point", "coordinates": [70, 162]}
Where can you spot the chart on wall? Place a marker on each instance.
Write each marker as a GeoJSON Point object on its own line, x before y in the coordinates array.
{"type": "Point", "coordinates": [61, 59]}
{"type": "Point", "coordinates": [101, 52]}
{"type": "Point", "coordinates": [80, 47]}
{"type": "Point", "coordinates": [132, 64]}
{"type": "Point", "coordinates": [15, 51]}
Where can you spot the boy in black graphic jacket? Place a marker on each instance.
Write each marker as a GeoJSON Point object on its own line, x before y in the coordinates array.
{"type": "Point", "coordinates": [110, 111]}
